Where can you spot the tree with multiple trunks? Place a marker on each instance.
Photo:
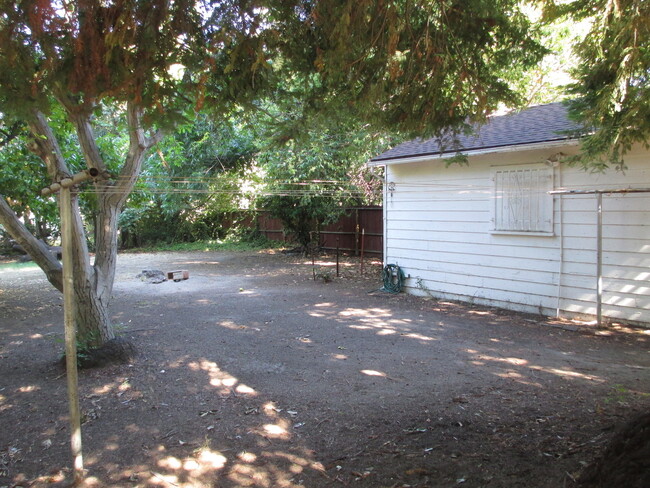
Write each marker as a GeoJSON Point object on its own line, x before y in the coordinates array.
{"type": "Point", "coordinates": [408, 65]}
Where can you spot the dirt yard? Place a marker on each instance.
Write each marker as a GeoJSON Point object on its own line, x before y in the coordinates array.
{"type": "Point", "coordinates": [252, 374]}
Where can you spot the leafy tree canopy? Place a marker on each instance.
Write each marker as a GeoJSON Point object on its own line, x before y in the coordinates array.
{"type": "Point", "coordinates": [411, 65]}
{"type": "Point", "coordinates": [612, 88]}
{"type": "Point", "coordinates": [417, 67]}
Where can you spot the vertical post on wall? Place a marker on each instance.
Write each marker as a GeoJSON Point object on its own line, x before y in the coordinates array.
{"type": "Point", "coordinates": [65, 202]}
{"type": "Point", "coordinates": [599, 260]}
{"type": "Point", "coordinates": [363, 245]}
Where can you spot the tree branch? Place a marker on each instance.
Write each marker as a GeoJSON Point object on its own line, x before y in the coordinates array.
{"type": "Point", "coordinates": [87, 141]}
{"type": "Point", "coordinates": [80, 117]}
{"type": "Point", "coordinates": [138, 146]}
{"type": "Point", "coordinates": [39, 252]}
{"type": "Point", "coordinates": [45, 145]}
{"type": "Point", "coordinates": [112, 200]}
{"type": "Point", "coordinates": [155, 138]}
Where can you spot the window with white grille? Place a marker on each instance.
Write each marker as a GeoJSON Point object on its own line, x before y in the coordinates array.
{"type": "Point", "coordinates": [521, 202]}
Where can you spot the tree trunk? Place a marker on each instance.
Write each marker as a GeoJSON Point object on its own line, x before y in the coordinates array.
{"type": "Point", "coordinates": [91, 290]}
{"type": "Point", "coordinates": [92, 317]}
{"type": "Point", "coordinates": [93, 283]}
{"type": "Point", "coordinates": [96, 339]}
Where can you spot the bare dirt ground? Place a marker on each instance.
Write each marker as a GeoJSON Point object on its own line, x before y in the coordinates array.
{"type": "Point", "coordinates": [252, 374]}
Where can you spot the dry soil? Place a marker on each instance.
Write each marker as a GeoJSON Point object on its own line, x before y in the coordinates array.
{"type": "Point", "coordinates": [252, 373]}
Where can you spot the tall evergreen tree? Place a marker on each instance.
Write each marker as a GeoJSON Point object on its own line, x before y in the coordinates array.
{"type": "Point", "coordinates": [611, 94]}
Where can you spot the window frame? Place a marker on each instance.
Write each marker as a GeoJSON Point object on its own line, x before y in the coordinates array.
{"type": "Point", "coordinates": [537, 202]}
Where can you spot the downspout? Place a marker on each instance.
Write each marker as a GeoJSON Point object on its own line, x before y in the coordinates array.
{"type": "Point", "coordinates": [385, 215]}
{"type": "Point", "coordinates": [599, 260]}
{"type": "Point", "coordinates": [561, 236]}
{"type": "Point", "coordinates": [384, 211]}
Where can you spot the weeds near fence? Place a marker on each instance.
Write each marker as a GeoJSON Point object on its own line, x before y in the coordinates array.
{"type": "Point", "coordinates": [226, 244]}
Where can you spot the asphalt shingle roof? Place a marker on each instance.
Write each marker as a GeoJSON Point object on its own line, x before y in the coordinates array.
{"type": "Point", "coordinates": [542, 123]}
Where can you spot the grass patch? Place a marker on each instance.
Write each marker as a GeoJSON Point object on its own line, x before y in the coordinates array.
{"type": "Point", "coordinates": [226, 244]}
{"type": "Point", "coordinates": [17, 266]}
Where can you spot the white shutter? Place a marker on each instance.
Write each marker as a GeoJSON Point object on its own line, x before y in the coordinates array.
{"type": "Point", "coordinates": [521, 202]}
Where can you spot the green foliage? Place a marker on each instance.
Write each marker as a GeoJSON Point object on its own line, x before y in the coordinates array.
{"type": "Point", "coordinates": [233, 242]}
{"type": "Point", "coordinates": [206, 146]}
{"type": "Point", "coordinates": [612, 88]}
{"type": "Point", "coordinates": [191, 188]}
{"type": "Point", "coordinates": [402, 65]}
{"type": "Point", "coordinates": [459, 158]}
{"type": "Point", "coordinates": [414, 67]}
{"type": "Point", "coordinates": [546, 81]}
{"type": "Point", "coordinates": [409, 66]}
{"type": "Point", "coordinates": [205, 174]}
{"type": "Point", "coordinates": [22, 177]}
{"type": "Point", "coordinates": [312, 179]}
{"type": "Point", "coordinates": [303, 215]}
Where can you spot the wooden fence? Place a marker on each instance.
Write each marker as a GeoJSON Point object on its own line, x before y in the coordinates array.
{"type": "Point", "coordinates": [359, 228]}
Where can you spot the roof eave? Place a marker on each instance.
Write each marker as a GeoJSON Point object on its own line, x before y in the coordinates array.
{"type": "Point", "coordinates": [476, 152]}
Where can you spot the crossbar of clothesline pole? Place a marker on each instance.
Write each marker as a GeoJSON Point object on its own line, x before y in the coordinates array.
{"type": "Point", "coordinates": [596, 192]}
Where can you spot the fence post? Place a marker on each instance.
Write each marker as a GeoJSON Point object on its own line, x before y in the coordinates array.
{"type": "Point", "coordinates": [363, 238]}
{"type": "Point", "coordinates": [356, 231]}
{"type": "Point", "coordinates": [338, 274]}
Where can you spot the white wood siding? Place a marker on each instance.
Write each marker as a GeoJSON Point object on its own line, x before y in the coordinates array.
{"type": "Point", "coordinates": [438, 229]}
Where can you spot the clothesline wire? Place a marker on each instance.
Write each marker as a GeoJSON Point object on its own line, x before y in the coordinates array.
{"type": "Point", "coordinates": [161, 184]}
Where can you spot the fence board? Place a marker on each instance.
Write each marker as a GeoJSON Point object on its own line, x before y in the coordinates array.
{"type": "Point", "coordinates": [345, 234]}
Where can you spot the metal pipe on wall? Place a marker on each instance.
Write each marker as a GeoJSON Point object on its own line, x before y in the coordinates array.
{"type": "Point", "coordinates": [599, 260]}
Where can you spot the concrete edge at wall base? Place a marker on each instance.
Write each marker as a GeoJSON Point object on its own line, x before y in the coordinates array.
{"type": "Point", "coordinates": [588, 319]}
{"type": "Point", "coordinates": [542, 312]}
{"type": "Point", "coordinates": [481, 301]}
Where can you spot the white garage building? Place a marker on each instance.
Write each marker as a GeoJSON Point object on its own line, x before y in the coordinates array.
{"type": "Point", "coordinates": [492, 233]}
